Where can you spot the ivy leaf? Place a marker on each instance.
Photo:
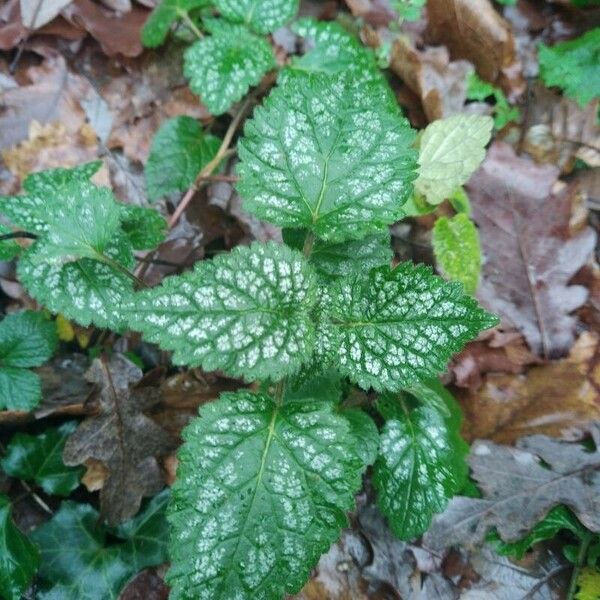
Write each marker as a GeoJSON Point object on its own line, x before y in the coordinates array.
{"type": "Point", "coordinates": [39, 458]}
{"type": "Point", "coordinates": [330, 154]}
{"type": "Point", "coordinates": [457, 251]}
{"type": "Point", "coordinates": [450, 152]}
{"type": "Point", "coordinates": [86, 291]}
{"type": "Point", "coordinates": [262, 491]}
{"type": "Point", "coordinates": [332, 50]}
{"type": "Point", "coordinates": [19, 558]}
{"type": "Point", "coordinates": [222, 67]}
{"type": "Point", "coordinates": [331, 259]}
{"type": "Point", "coordinates": [262, 16]}
{"type": "Point", "coordinates": [394, 327]}
{"type": "Point", "coordinates": [78, 563]}
{"type": "Point", "coordinates": [145, 228]}
{"type": "Point", "coordinates": [27, 339]}
{"type": "Point", "coordinates": [179, 151]}
{"type": "Point", "coordinates": [161, 19]}
{"type": "Point", "coordinates": [419, 468]}
{"type": "Point", "coordinates": [246, 313]}
{"type": "Point", "coordinates": [573, 66]}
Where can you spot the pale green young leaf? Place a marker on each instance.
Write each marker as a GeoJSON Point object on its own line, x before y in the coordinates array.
{"type": "Point", "coordinates": [393, 327]}
{"type": "Point", "coordinates": [223, 66]}
{"type": "Point", "coordinates": [179, 151]}
{"type": "Point", "coordinates": [78, 563]}
{"type": "Point", "coordinates": [39, 458]}
{"type": "Point", "coordinates": [330, 154]}
{"type": "Point", "coordinates": [19, 558]}
{"type": "Point", "coordinates": [457, 250]}
{"type": "Point", "coordinates": [332, 51]}
{"type": "Point", "coordinates": [336, 259]}
{"type": "Point", "coordinates": [450, 151]}
{"type": "Point", "coordinates": [145, 228]}
{"type": "Point", "coordinates": [262, 16]}
{"type": "Point", "coordinates": [246, 313]}
{"type": "Point", "coordinates": [27, 339]}
{"type": "Point", "coordinates": [573, 66]}
{"type": "Point", "coordinates": [161, 19]}
{"type": "Point", "coordinates": [262, 491]}
{"type": "Point", "coordinates": [420, 466]}
{"type": "Point", "coordinates": [86, 291]}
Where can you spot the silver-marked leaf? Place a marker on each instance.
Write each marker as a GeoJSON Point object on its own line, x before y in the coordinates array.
{"type": "Point", "coordinates": [144, 227]}
{"type": "Point", "coordinates": [336, 259]}
{"type": "Point", "coordinates": [19, 558]}
{"type": "Point", "coordinates": [330, 154]}
{"type": "Point", "coordinates": [332, 50]}
{"type": "Point", "coordinates": [262, 491]}
{"type": "Point", "coordinates": [179, 151]}
{"type": "Point", "coordinates": [393, 327]}
{"type": "Point", "coordinates": [222, 67]}
{"type": "Point", "coordinates": [245, 313]}
{"type": "Point", "coordinates": [48, 181]}
{"type": "Point", "coordinates": [39, 458]}
{"type": "Point", "coordinates": [86, 291]}
{"type": "Point", "coordinates": [262, 16]}
{"type": "Point", "coordinates": [420, 466]}
{"type": "Point", "coordinates": [457, 250]}
{"type": "Point", "coordinates": [451, 149]}
{"type": "Point", "coordinates": [161, 19]}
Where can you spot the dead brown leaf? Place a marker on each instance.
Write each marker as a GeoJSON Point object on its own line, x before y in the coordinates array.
{"type": "Point", "coordinates": [473, 29]}
{"type": "Point", "coordinates": [557, 398]}
{"type": "Point", "coordinates": [122, 437]}
{"type": "Point", "coordinates": [441, 84]}
{"type": "Point", "coordinates": [534, 239]}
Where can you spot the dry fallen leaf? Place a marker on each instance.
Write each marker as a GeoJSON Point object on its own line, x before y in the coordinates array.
{"type": "Point", "coordinates": [558, 398]}
{"type": "Point", "coordinates": [474, 30]}
{"type": "Point", "coordinates": [441, 84]}
{"type": "Point", "coordinates": [531, 247]}
{"type": "Point", "coordinates": [122, 437]}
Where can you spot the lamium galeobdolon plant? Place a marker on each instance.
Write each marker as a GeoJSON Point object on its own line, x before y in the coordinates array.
{"type": "Point", "coordinates": [267, 474]}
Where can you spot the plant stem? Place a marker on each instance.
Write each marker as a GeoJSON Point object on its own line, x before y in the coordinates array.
{"type": "Point", "coordinates": [309, 242]}
{"type": "Point", "coordinates": [119, 267]}
{"type": "Point", "coordinates": [208, 169]}
{"type": "Point", "coordinates": [185, 17]}
{"type": "Point", "coordinates": [18, 234]}
{"type": "Point", "coordinates": [578, 566]}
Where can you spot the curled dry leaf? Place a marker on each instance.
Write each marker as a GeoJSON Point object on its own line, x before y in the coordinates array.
{"type": "Point", "coordinates": [122, 437]}
{"type": "Point", "coordinates": [474, 30]}
{"type": "Point", "coordinates": [557, 398]}
{"type": "Point", "coordinates": [440, 83]}
{"type": "Point", "coordinates": [531, 248]}
{"type": "Point", "coordinates": [519, 487]}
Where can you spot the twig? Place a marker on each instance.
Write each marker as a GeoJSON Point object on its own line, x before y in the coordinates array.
{"type": "Point", "coordinates": [538, 586]}
{"type": "Point", "coordinates": [208, 169]}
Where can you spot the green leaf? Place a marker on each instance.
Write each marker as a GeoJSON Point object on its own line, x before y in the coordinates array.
{"type": "Point", "coordinates": [39, 458]}
{"type": "Point", "coordinates": [145, 228]}
{"type": "Point", "coordinates": [573, 66]}
{"type": "Point", "coordinates": [408, 10]}
{"type": "Point", "coordinates": [419, 468]}
{"type": "Point", "coordinates": [19, 558]}
{"type": "Point", "coordinates": [457, 250]}
{"type": "Point", "coordinates": [8, 248]}
{"type": "Point", "coordinates": [325, 387]}
{"type": "Point", "coordinates": [222, 67]}
{"type": "Point", "coordinates": [27, 339]}
{"type": "Point", "coordinates": [430, 392]}
{"type": "Point", "coordinates": [246, 313]}
{"type": "Point", "coordinates": [558, 519]}
{"type": "Point", "coordinates": [588, 584]}
{"type": "Point", "coordinates": [78, 563]}
{"type": "Point", "coordinates": [332, 51]}
{"type": "Point", "coordinates": [451, 150]}
{"type": "Point", "coordinates": [262, 491]}
{"type": "Point", "coordinates": [86, 291]}
{"type": "Point", "coordinates": [330, 154]}
{"type": "Point", "coordinates": [262, 16]}
{"type": "Point", "coordinates": [503, 112]}
{"type": "Point", "coordinates": [161, 19]}
{"type": "Point", "coordinates": [336, 259]}
{"type": "Point", "coordinates": [365, 432]}
{"type": "Point", "coordinates": [179, 151]}
{"type": "Point", "coordinates": [394, 327]}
